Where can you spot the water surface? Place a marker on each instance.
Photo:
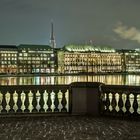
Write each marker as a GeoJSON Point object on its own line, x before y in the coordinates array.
{"type": "Point", "coordinates": [56, 80]}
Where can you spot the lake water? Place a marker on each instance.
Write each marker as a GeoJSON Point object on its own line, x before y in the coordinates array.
{"type": "Point", "coordinates": [51, 80]}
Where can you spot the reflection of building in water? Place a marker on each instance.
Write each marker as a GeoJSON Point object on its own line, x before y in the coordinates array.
{"type": "Point", "coordinates": [81, 59]}
{"type": "Point", "coordinates": [57, 80]}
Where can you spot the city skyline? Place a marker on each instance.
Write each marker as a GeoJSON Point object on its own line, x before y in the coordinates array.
{"type": "Point", "coordinates": [113, 23]}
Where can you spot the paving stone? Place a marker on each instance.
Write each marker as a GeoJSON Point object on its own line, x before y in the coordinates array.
{"type": "Point", "coordinates": [68, 128]}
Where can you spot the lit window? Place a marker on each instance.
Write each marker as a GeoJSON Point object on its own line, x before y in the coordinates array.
{"type": "Point", "coordinates": [52, 55]}
{"type": "Point", "coordinates": [25, 54]}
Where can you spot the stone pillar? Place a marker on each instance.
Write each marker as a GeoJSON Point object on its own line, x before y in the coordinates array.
{"type": "Point", "coordinates": [85, 98]}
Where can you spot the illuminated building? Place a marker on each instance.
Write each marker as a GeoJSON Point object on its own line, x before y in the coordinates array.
{"type": "Point", "coordinates": [36, 59]}
{"type": "Point", "coordinates": [89, 59]}
{"type": "Point", "coordinates": [60, 61]}
{"type": "Point", "coordinates": [8, 59]}
{"type": "Point", "coordinates": [71, 59]}
{"type": "Point", "coordinates": [132, 60]}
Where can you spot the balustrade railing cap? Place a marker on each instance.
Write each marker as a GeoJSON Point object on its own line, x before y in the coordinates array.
{"type": "Point", "coordinates": [86, 84]}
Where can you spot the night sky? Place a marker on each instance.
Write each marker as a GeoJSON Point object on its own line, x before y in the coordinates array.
{"type": "Point", "coordinates": [106, 22]}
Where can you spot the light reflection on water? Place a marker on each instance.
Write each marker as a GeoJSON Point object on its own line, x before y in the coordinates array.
{"type": "Point", "coordinates": [51, 80]}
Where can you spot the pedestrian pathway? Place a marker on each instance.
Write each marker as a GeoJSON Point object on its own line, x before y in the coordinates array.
{"type": "Point", "coordinates": [68, 128]}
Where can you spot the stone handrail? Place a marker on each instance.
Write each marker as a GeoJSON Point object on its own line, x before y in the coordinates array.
{"type": "Point", "coordinates": [29, 99]}
{"type": "Point", "coordinates": [77, 98]}
{"type": "Point", "coordinates": [119, 100]}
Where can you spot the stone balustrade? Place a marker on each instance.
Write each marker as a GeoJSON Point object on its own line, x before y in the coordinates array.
{"type": "Point", "coordinates": [77, 98]}
{"type": "Point", "coordinates": [118, 100]}
{"type": "Point", "coordinates": [34, 99]}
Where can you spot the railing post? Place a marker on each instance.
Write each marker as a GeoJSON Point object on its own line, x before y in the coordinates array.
{"type": "Point", "coordinates": [85, 98]}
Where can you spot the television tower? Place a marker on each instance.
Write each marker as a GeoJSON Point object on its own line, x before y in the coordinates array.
{"type": "Point", "coordinates": [52, 38]}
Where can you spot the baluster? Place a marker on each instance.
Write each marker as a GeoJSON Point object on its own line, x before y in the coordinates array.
{"type": "Point", "coordinates": [131, 99]}
{"type": "Point", "coordinates": [23, 97]}
{"type": "Point", "coordinates": [63, 102]}
{"type": "Point", "coordinates": [138, 101]}
{"type": "Point", "coordinates": [37, 100]}
{"type": "Point", "coordinates": [117, 97]}
{"type": "Point", "coordinates": [26, 103]}
{"type": "Point", "coordinates": [1, 99]}
{"type": "Point", "coordinates": [52, 99]}
{"type": "Point", "coordinates": [60, 99]}
{"type": "Point", "coordinates": [120, 104]}
{"type": "Point", "coordinates": [15, 98]}
{"type": "Point", "coordinates": [30, 100]}
{"type": "Point", "coordinates": [45, 98]}
{"type": "Point", "coordinates": [67, 100]}
{"type": "Point", "coordinates": [127, 105]}
{"type": "Point", "coordinates": [49, 102]}
{"type": "Point", "coordinates": [7, 97]}
{"type": "Point", "coordinates": [135, 105]}
{"type": "Point", "coordinates": [124, 102]}
{"type": "Point", "coordinates": [56, 102]}
{"type": "Point", "coordinates": [110, 101]}
{"type": "Point", "coordinates": [41, 102]}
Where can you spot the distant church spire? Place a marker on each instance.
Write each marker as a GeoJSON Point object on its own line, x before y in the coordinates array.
{"type": "Point", "coordinates": [52, 38]}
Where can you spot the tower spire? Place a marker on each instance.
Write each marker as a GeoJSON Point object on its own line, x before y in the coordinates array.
{"type": "Point", "coordinates": [52, 38]}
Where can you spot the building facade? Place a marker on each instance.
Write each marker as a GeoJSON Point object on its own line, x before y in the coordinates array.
{"type": "Point", "coordinates": [8, 59]}
{"type": "Point", "coordinates": [27, 59]}
{"type": "Point", "coordinates": [89, 59]}
{"type": "Point", "coordinates": [36, 59]}
{"type": "Point", "coordinates": [71, 59]}
{"type": "Point", "coordinates": [132, 60]}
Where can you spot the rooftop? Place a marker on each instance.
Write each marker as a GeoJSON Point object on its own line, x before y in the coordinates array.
{"type": "Point", "coordinates": [88, 48]}
{"type": "Point", "coordinates": [8, 46]}
{"type": "Point", "coordinates": [34, 46]}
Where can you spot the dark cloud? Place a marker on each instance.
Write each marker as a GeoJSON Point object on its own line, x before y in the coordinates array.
{"type": "Point", "coordinates": [75, 21]}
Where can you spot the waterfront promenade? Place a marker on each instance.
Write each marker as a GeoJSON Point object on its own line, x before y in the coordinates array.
{"type": "Point", "coordinates": [68, 128]}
